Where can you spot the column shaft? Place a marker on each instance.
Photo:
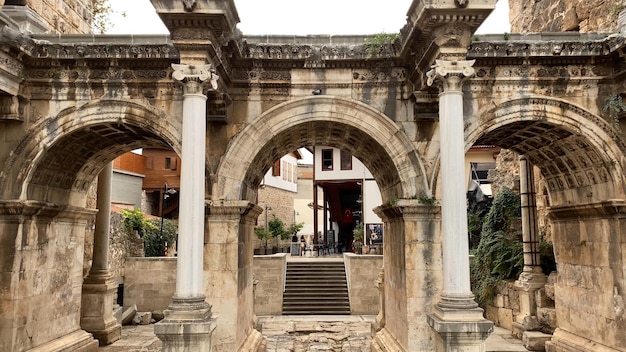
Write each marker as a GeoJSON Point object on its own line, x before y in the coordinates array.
{"type": "Point", "coordinates": [191, 218]}
{"type": "Point", "coordinates": [529, 216]}
{"type": "Point", "coordinates": [456, 283]}
{"type": "Point", "coordinates": [100, 263]}
{"type": "Point", "coordinates": [454, 212]}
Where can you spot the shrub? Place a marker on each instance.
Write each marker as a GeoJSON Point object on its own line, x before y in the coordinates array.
{"type": "Point", "coordinates": [154, 241]}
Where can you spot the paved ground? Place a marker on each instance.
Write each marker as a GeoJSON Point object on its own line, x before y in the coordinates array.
{"type": "Point", "coordinates": [309, 333]}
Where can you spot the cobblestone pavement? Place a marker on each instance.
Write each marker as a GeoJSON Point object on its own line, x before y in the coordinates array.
{"type": "Point", "coordinates": [302, 334]}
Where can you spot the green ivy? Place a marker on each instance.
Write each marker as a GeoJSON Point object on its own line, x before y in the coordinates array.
{"type": "Point", "coordinates": [499, 255]}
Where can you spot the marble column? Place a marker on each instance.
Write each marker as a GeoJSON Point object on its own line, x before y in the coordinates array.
{"type": "Point", "coordinates": [532, 278]}
{"type": "Point", "coordinates": [188, 322]}
{"type": "Point", "coordinates": [457, 318]}
{"type": "Point", "coordinates": [98, 287]}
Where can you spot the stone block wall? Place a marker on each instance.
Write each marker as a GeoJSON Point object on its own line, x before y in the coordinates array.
{"type": "Point", "coordinates": [69, 16]}
{"type": "Point", "coordinates": [149, 282]}
{"type": "Point", "coordinates": [505, 307]}
{"type": "Point", "coordinates": [362, 272]}
{"type": "Point", "coordinates": [281, 203]}
{"type": "Point", "coordinates": [268, 294]}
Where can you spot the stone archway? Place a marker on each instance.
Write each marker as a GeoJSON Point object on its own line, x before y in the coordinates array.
{"type": "Point", "coordinates": [388, 154]}
{"type": "Point", "coordinates": [43, 215]}
{"type": "Point", "coordinates": [65, 153]}
{"type": "Point", "coordinates": [582, 160]}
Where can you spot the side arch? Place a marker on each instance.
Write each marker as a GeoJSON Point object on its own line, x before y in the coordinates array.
{"type": "Point", "coordinates": [321, 120]}
{"type": "Point", "coordinates": [580, 155]}
{"type": "Point", "coordinates": [64, 153]}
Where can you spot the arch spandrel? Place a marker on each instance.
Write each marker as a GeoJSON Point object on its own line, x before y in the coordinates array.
{"type": "Point", "coordinates": [64, 153]}
{"type": "Point", "coordinates": [580, 155]}
{"type": "Point", "coordinates": [321, 120]}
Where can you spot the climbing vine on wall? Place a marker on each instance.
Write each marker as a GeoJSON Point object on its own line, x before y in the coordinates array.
{"type": "Point", "coordinates": [500, 254]}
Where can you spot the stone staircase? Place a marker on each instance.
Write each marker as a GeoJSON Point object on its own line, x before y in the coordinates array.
{"type": "Point", "coordinates": [316, 288]}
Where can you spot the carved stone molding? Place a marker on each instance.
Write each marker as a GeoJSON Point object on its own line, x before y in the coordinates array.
{"type": "Point", "coordinates": [9, 108]}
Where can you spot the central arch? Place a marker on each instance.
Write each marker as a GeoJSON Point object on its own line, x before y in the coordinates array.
{"type": "Point", "coordinates": [335, 122]}
{"type": "Point", "coordinates": [322, 120]}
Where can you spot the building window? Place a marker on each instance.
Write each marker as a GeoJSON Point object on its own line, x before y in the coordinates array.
{"type": "Point", "coordinates": [346, 160]}
{"type": "Point", "coordinates": [327, 159]}
{"type": "Point", "coordinates": [276, 168]}
{"type": "Point", "coordinates": [168, 163]}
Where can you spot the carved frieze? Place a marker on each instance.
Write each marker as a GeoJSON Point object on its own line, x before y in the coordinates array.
{"type": "Point", "coordinates": [10, 65]}
{"type": "Point", "coordinates": [396, 74]}
{"type": "Point", "coordinates": [540, 48]}
{"type": "Point", "coordinates": [279, 52]}
{"type": "Point", "coordinates": [102, 51]}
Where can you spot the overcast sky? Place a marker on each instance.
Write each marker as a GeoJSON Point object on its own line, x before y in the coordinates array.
{"type": "Point", "coordinates": [299, 17]}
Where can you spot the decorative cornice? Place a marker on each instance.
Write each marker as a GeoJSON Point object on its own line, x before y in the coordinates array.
{"type": "Point", "coordinates": [608, 208]}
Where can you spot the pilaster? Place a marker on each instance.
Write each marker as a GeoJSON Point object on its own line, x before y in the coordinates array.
{"type": "Point", "coordinates": [228, 270]}
{"type": "Point", "coordinates": [457, 319]}
{"type": "Point", "coordinates": [412, 278]}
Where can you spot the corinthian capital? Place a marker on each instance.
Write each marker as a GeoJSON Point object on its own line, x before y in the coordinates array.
{"type": "Point", "coordinates": [194, 77]}
{"type": "Point", "coordinates": [450, 73]}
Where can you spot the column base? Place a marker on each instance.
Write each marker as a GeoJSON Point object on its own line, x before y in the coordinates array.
{"type": "Point", "coordinates": [459, 329]}
{"type": "Point", "coordinates": [187, 326]}
{"type": "Point", "coordinates": [78, 341]}
{"type": "Point", "coordinates": [97, 310]}
{"type": "Point", "coordinates": [563, 341]}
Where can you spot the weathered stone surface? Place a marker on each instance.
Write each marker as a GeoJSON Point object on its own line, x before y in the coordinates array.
{"type": "Point", "coordinates": [269, 271]}
{"type": "Point", "coordinates": [535, 340]}
{"type": "Point", "coordinates": [362, 272]}
{"type": "Point", "coordinates": [129, 315]}
{"type": "Point", "coordinates": [563, 15]}
{"type": "Point", "coordinates": [325, 335]}
{"type": "Point", "coordinates": [142, 318]}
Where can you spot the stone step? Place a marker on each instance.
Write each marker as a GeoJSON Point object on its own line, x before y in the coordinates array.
{"type": "Point", "coordinates": [316, 288]}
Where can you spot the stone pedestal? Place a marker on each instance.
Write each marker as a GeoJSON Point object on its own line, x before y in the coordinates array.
{"type": "Point", "coordinates": [460, 330]}
{"type": "Point", "coordinates": [527, 286]}
{"type": "Point", "coordinates": [96, 314]}
{"type": "Point", "coordinates": [187, 327]}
